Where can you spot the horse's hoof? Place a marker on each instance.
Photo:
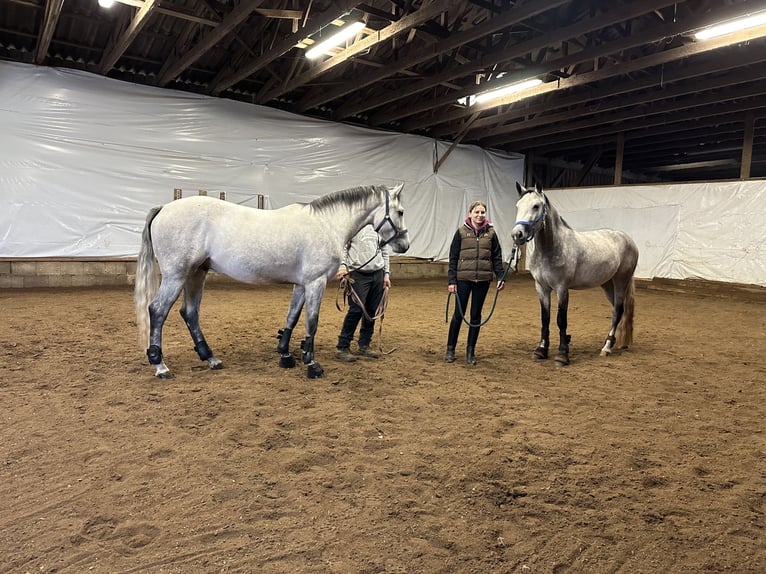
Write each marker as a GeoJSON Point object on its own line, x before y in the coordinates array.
{"type": "Point", "coordinates": [314, 371]}
{"type": "Point", "coordinates": [540, 353]}
{"type": "Point", "coordinates": [164, 375]}
{"type": "Point", "coordinates": [561, 360]}
{"type": "Point", "coordinates": [215, 363]}
{"type": "Point", "coordinates": [605, 353]}
{"type": "Point", "coordinates": [287, 361]}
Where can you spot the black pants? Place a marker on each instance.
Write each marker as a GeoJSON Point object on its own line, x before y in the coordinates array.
{"type": "Point", "coordinates": [369, 288]}
{"type": "Point", "coordinates": [477, 291]}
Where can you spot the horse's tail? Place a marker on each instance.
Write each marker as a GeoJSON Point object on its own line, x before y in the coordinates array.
{"type": "Point", "coordinates": [625, 328]}
{"type": "Point", "coordinates": [147, 280]}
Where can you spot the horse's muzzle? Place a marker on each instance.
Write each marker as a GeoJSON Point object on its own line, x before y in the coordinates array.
{"type": "Point", "coordinates": [519, 234]}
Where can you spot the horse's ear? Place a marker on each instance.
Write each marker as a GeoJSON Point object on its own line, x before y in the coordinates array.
{"type": "Point", "coordinates": [396, 190]}
{"type": "Point", "coordinates": [519, 189]}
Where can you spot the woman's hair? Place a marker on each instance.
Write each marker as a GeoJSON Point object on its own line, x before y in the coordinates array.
{"type": "Point", "coordinates": [475, 203]}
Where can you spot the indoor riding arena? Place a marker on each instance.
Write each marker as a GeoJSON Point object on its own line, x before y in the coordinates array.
{"type": "Point", "coordinates": [651, 459]}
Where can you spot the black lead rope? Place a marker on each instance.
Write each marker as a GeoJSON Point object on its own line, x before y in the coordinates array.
{"type": "Point", "coordinates": [458, 307]}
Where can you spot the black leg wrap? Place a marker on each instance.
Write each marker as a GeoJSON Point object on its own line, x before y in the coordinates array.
{"type": "Point", "coordinates": [307, 346]}
{"type": "Point", "coordinates": [562, 358]}
{"type": "Point", "coordinates": [154, 353]}
{"type": "Point", "coordinates": [203, 350]}
{"type": "Point", "coordinates": [284, 336]}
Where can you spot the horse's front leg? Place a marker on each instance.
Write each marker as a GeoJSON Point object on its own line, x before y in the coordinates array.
{"type": "Point", "coordinates": [314, 292]}
{"type": "Point", "coordinates": [286, 358]}
{"type": "Point", "coordinates": [541, 352]}
{"type": "Point", "coordinates": [562, 357]}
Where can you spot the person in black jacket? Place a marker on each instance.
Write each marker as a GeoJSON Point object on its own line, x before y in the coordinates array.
{"type": "Point", "coordinates": [474, 256]}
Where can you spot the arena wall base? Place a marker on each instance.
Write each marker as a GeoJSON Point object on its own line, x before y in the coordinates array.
{"type": "Point", "coordinates": [57, 273]}
{"type": "Point", "coordinates": [31, 273]}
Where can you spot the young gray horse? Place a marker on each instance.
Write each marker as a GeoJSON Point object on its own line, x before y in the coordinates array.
{"type": "Point", "coordinates": [566, 259]}
{"type": "Point", "coordinates": [299, 244]}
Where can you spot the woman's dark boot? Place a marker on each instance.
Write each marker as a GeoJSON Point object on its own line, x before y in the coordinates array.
{"type": "Point", "coordinates": [473, 336]}
{"type": "Point", "coordinates": [449, 356]}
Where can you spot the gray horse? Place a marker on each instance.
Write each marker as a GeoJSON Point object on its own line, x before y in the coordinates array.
{"type": "Point", "coordinates": [299, 244]}
{"type": "Point", "coordinates": [566, 259]}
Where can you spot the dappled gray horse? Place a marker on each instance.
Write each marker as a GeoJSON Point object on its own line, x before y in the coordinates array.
{"type": "Point", "coordinates": [565, 259]}
{"type": "Point", "coordinates": [299, 244]}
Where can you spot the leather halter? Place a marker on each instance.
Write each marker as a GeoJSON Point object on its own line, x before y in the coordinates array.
{"type": "Point", "coordinates": [532, 225]}
{"type": "Point", "coordinates": [387, 219]}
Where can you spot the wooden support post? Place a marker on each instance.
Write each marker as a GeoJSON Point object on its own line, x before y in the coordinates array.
{"type": "Point", "coordinates": [529, 170]}
{"type": "Point", "coordinates": [618, 156]}
{"type": "Point", "coordinates": [747, 145]}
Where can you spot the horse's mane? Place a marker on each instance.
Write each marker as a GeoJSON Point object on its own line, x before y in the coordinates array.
{"type": "Point", "coordinates": [351, 197]}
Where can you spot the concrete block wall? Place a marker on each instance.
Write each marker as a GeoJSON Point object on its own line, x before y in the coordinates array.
{"type": "Point", "coordinates": [31, 273]}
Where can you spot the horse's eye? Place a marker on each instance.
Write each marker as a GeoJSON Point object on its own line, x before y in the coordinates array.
{"type": "Point", "coordinates": [401, 213]}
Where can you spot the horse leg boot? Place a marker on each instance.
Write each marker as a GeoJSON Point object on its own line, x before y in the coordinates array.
{"type": "Point", "coordinates": [473, 336]}
{"type": "Point", "coordinates": [200, 345]}
{"type": "Point", "coordinates": [286, 359]}
{"type": "Point", "coordinates": [562, 357]}
{"type": "Point", "coordinates": [313, 369]}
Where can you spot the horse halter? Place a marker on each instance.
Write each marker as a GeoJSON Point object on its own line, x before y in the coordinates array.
{"type": "Point", "coordinates": [532, 225]}
{"type": "Point", "coordinates": [387, 219]}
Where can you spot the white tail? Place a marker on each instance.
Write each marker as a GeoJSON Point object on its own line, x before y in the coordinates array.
{"type": "Point", "coordinates": [147, 280]}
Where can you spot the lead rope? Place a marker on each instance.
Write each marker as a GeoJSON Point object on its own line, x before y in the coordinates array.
{"type": "Point", "coordinates": [512, 261]}
{"type": "Point", "coordinates": [346, 289]}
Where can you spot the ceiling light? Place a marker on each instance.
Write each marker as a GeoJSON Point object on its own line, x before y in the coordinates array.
{"type": "Point", "coordinates": [348, 31]}
{"type": "Point", "coordinates": [506, 90]}
{"type": "Point", "coordinates": [732, 26]}
{"type": "Point", "coordinates": [106, 3]}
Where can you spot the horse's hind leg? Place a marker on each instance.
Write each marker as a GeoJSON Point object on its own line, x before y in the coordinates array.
{"type": "Point", "coordinates": [610, 292]}
{"type": "Point", "coordinates": [616, 298]}
{"type": "Point", "coordinates": [286, 358]}
{"type": "Point", "coordinates": [314, 292]}
{"type": "Point", "coordinates": [169, 290]}
{"type": "Point", "coordinates": [193, 288]}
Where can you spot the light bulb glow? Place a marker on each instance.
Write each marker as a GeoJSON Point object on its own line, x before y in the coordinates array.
{"type": "Point", "coordinates": [106, 3]}
{"type": "Point", "coordinates": [506, 90]}
{"type": "Point", "coordinates": [733, 26]}
{"type": "Point", "coordinates": [348, 31]}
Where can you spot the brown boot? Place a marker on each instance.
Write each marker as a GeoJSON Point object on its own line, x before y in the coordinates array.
{"type": "Point", "coordinates": [365, 351]}
{"type": "Point", "coordinates": [345, 355]}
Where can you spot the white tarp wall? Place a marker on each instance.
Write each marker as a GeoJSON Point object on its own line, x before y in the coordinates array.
{"type": "Point", "coordinates": [83, 158]}
{"type": "Point", "coordinates": [713, 231]}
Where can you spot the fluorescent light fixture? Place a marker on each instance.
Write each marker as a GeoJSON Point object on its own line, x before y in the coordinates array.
{"type": "Point", "coordinates": [732, 26]}
{"type": "Point", "coordinates": [506, 90]}
{"type": "Point", "coordinates": [348, 31]}
{"type": "Point", "coordinates": [106, 3]}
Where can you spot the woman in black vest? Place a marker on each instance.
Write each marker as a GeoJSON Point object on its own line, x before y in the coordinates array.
{"type": "Point", "coordinates": [474, 256]}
